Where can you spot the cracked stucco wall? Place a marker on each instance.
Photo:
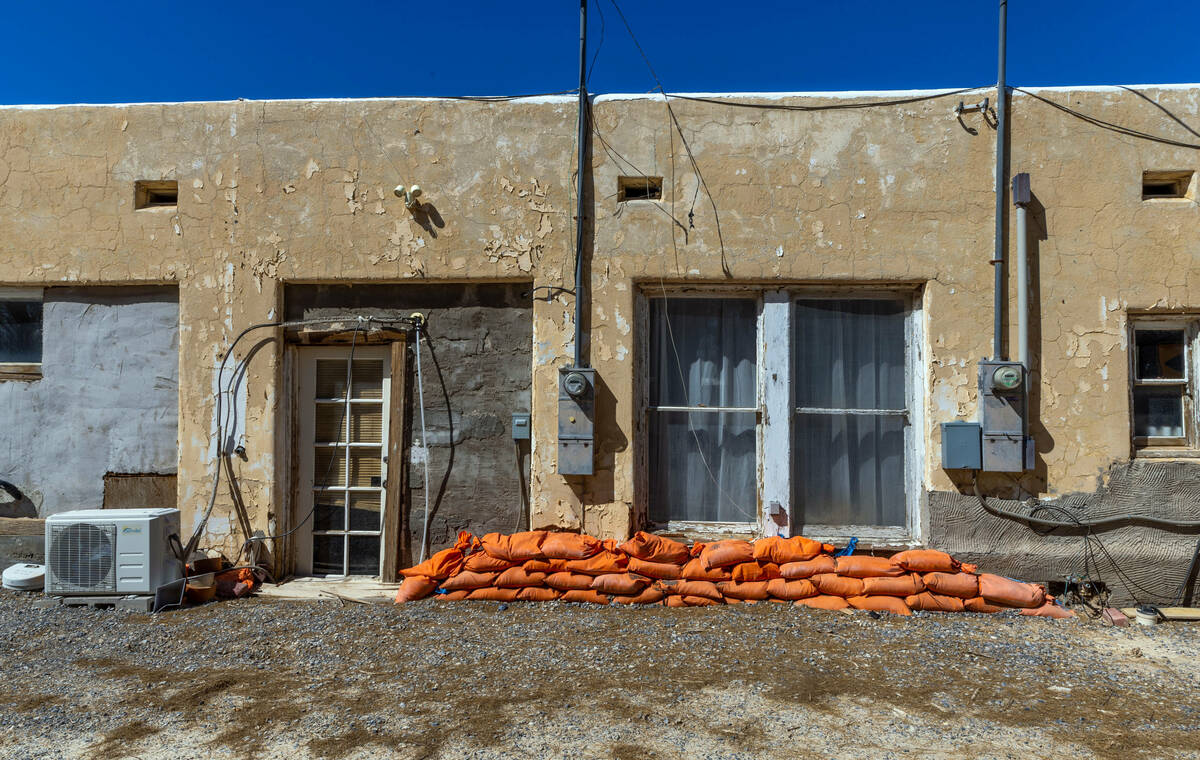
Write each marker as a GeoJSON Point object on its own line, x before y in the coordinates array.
{"type": "Point", "coordinates": [275, 192]}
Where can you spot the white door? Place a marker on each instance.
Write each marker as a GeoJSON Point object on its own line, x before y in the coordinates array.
{"type": "Point", "coordinates": [342, 443]}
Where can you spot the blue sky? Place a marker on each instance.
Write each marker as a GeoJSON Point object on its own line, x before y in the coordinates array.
{"type": "Point", "coordinates": [70, 51]}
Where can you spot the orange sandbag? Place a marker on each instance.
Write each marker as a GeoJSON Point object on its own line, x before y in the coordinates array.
{"type": "Point", "coordinates": [651, 548]}
{"type": "Point", "coordinates": [931, 602]}
{"type": "Point", "coordinates": [823, 602]}
{"type": "Point", "coordinates": [782, 550]}
{"type": "Point", "coordinates": [967, 567]}
{"type": "Point", "coordinates": [515, 547]}
{"type": "Point", "coordinates": [565, 581]}
{"type": "Point", "coordinates": [491, 594]}
{"type": "Point", "coordinates": [587, 597]}
{"type": "Point", "coordinates": [543, 565]}
{"type": "Point", "coordinates": [648, 595]}
{"type": "Point", "coordinates": [518, 577]}
{"type": "Point", "coordinates": [926, 561]}
{"type": "Point", "coordinates": [962, 585]}
{"type": "Point", "coordinates": [733, 600]}
{"type": "Point", "coordinates": [1009, 593]}
{"type": "Point", "coordinates": [754, 571]}
{"type": "Point", "coordinates": [440, 566]}
{"type": "Point", "coordinates": [905, 585]}
{"type": "Point", "coordinates": [537, 594]}
{"type": "Point", "coordinates": [699, 601]}
{"type": "Point", "coordinates": [815, 566]}
{"type": "Point", "coordinates": [697, 548]}
{"type": "Point", "coordinates": [690, 588]}
{"type": "Point", "coordinates": [781, 588]}
{"type": "Point", "coordinates": [1050, 609]}
{"type": "Point", "coordinates": [837, 585]}
{"type": "Point", "coordinates": [560, 545]}
{"type": "Point", "coordinates": [447, 562]}
{"type": "Point", "coordinates": [453, 596]}
{"type": "Point", "coordinates": [726, 553]}
{"type": "Point", "coordinates": [468, 581]}
{"type": "Point", "coordinates": [890, 604]}
{"type": "Point", "coordinates": [977, 604]}
{"type": "Point", "coordinates": [626, 584]}
{"type": "Point", "coordinates": [864, 566]}
{"type": "Point", "coordinates": [415, 587]}
{"type": "Point", "coordinates": [602, 564]}
{"type": "Point", "coordinates": [674, 601]}
{"type": "Point", "coordinates": [745, 590]}
{"type": "Point", "coordinates": [694, 571]}
{"type": "Point", "coordinates": [482, 562]}
{"type": "Point", "coordinates": [660, 570]}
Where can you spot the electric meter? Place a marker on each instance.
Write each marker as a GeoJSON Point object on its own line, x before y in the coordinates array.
{"type": "Point", "coordinates": [1006, 378]}
{"type": "Point", "coordinates": [575, 383]}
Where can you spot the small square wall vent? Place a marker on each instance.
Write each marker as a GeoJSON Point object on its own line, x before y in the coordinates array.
{"type": "Point", "coordinates": [639, 189]}
{"type": "Point", "coordinates": [155, 193]}
{"type": "Point", "coordinates": [1159, 184]}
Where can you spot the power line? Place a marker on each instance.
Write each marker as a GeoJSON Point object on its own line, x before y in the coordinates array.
{"type": "Point", "coordinates": [824, 107]}
{"type": "Point", "coordinates": [1110, 126]}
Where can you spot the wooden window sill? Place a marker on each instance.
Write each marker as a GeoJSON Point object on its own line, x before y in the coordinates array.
{"type": "Point", "coordinates": [21, 373]}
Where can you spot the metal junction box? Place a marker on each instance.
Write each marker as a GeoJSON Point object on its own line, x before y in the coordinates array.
{"type": "Point", "coordinates": [1003, 409]}
{"type": "Point", "coordinates": [576, 420]}
{"type": "Point", "coordinates": [961, 446]}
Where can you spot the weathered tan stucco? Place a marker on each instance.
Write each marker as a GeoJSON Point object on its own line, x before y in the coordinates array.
{"type": "Point", "coordinates": [301, 191]}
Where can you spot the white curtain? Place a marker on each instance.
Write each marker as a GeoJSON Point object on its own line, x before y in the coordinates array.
{"type": "Point", "coordinates": [848, 465]}
{"type": "Point", "coordinates": [702, 463]}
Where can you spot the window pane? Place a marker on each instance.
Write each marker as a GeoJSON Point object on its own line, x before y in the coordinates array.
{"type": "Point", "coordinates": [21, 331]}
{"type": "Point", "coordinates": [364, 555]}
{"type": "Point", "coordinates": [1158, 412]}
{"type": "Point", "coordinates": [849, 354]}
{"type": "Point", "coordinates": [364, 511]}
{"type": "Point", "coordinates": [366, 467]}
{"type": "Point", "coordinates": [707, 472]}
{"type": "Point", "coordinates": [368, 378]}
{"type": "Point", "coordinates": [331, 378]}
{"type": "Point", "coordinates": [328, 555]}
{"type": "Point", "coordinates": [702, 352]}
{"type": "Point", "coordinates": [330, 423]}
{"type": "Point", "coordinates": [329, 511]}
{"type": "Point", "coordinates": [849, 469]}
{"type": "Point", "coordinates": [366, 423]}
{"type": "Point", "coordinates": [329, 467]}
{"type": "Point", "coordinates": [1160, 355]}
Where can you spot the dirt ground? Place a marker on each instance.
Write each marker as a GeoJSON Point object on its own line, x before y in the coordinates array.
{"type": "Point", "coordinates": [271, 679]}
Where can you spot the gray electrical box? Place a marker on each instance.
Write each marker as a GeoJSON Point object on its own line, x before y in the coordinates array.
{"type": "Point", "coordinates": [520, 426]}
{"type": "Point", "coordinates": [962, 446]}
{"type": "Point", "coordinates": [576, 420]}
{"type": "Point", "coordinates": [1003, 410]}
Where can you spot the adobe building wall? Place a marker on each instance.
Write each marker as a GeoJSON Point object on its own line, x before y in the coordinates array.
{"type": "Point", "coordinates": [273, 193]}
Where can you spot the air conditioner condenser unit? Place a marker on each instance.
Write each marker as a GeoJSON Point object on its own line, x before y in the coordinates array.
{"type": "Point", "coordinates": [111, 551]}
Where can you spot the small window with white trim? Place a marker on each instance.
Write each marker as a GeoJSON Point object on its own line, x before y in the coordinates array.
{"type": "Point", "coordinates": [1161, 378]}
{"type": "Point", "coordinates": [20, 333]}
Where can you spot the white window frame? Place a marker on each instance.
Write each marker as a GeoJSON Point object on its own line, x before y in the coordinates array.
{"type": "Point", "coordinates": [23, 370]}
{"type": "Point", "coordinates": [1189, 443]}
{"type": "Point", "coordinates": [776, 413]}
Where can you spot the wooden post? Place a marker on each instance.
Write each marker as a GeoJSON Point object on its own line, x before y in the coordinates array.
{"type": "Point", "coordinates": [396, 552]}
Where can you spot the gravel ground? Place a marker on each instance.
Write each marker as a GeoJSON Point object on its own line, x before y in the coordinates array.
{"type": "Point", "coordinates": [262, 679]}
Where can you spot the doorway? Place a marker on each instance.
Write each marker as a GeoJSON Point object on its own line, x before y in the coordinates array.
{"type": "Point", "coordinates": [343, 437]}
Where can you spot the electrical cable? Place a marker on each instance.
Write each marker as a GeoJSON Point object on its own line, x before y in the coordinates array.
{"type": "Point", "coordinates": [1110, 126]}
{"type": "Point", "coordinates": [825, 107]}
{"type": "Point", "coordinates": [424, 448]}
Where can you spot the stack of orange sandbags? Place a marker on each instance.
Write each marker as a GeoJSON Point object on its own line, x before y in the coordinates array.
{"type": "Point", "coordinates": [648, 569]}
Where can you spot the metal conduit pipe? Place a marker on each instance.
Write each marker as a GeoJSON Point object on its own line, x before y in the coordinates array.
{"type": "Point", "coordinates": [1021, 199]}
{"type": "Point", "coordinates": [580, 290]}
{"type": "Point", "coordinates": [1001, 141]}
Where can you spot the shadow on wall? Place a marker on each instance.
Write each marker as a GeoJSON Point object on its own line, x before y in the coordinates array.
{"type": "Point", "coordinates": [14, 503]}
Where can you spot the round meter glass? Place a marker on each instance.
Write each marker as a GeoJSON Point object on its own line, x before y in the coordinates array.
{"type": "Point", "coordinates": [1006, 378]}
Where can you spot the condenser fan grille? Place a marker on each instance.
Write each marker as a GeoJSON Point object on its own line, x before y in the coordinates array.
{"type": "Point", "coordinates": [82, 557]}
